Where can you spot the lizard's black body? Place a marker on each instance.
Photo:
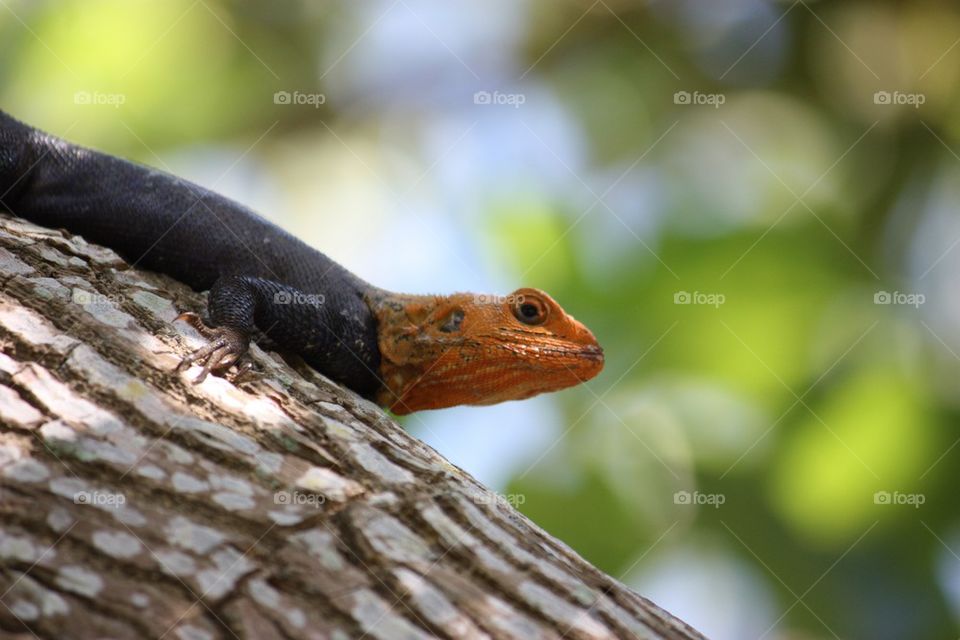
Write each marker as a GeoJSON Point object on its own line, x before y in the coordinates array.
{"type": "Point", "coordinates": [259, 276]}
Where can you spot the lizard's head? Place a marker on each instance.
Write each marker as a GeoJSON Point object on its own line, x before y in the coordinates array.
{"type": "Point", "coordinates": [442, 351]}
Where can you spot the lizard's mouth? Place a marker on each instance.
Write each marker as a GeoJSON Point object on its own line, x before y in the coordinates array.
{"type": "Point", "coordinates": [592, 352]}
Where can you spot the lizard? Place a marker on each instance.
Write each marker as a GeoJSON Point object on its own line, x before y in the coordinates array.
{"type": "Point", "coordinates": [405, 352]}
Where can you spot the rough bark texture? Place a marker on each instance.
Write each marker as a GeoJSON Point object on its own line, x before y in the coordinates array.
{"type": "Point", "coordinates": [135, 505]}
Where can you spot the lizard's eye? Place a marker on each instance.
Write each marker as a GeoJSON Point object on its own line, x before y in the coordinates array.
{"type": "Point", "coordinates": [530, 310]}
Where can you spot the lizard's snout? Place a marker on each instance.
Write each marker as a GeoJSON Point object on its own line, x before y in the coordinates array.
{"type": "Point", "coordinates": [591, 360]}
{"type": "Point", "coordinates": [588, 355]}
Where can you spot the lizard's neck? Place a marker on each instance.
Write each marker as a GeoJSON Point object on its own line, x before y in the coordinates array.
{"type": "Point", "coordinates": [407, 350]}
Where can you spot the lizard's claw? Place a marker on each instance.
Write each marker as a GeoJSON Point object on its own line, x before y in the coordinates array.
{"type": "Point", "coordinates": [227, 346]}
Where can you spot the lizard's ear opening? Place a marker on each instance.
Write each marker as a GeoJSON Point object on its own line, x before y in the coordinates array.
{"type": "Point", "coordinates": [452, 321]}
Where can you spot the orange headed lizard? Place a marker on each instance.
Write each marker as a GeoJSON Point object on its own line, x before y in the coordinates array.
{"type": "Point", "coordinates": [406, 352]}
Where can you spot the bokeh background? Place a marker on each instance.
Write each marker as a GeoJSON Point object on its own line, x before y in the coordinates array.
{"type": "Point", "coordinates": [752, 204]}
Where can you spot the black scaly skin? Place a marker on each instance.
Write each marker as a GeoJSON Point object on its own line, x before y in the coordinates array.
{"type": "Point", "coordinates": [259, 276]}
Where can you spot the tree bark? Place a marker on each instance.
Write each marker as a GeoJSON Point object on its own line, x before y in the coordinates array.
{"type": "Point", "coordinates": [137, 505]}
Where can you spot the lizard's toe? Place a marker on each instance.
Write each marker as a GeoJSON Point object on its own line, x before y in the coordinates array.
{"type": "Point", "coordinates": [243, 366]}
{"type": "Point", "coordinates": [226, 348]}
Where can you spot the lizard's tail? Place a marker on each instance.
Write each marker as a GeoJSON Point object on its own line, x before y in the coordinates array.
{"type": "Point", "coordinates": [14, 147]}
{"type": "Point", "coordinates": [149, 217]}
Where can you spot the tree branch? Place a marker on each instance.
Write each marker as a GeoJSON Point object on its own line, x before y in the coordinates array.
{"type": "Point", "coordinates": [136, 505]}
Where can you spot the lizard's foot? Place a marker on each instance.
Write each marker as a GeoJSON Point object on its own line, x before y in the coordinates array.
{"type": "Point", "coordinates": [227, 347]}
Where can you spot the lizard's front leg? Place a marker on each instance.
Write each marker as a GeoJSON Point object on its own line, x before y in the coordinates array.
{"type": "Point", "coordinates": [333, 331]}
{"type": "Point", "coordinates": [231, 305]}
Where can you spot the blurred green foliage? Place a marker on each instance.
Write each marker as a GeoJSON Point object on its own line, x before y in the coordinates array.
{"type": "Point", "coordinates": [785, 387]}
